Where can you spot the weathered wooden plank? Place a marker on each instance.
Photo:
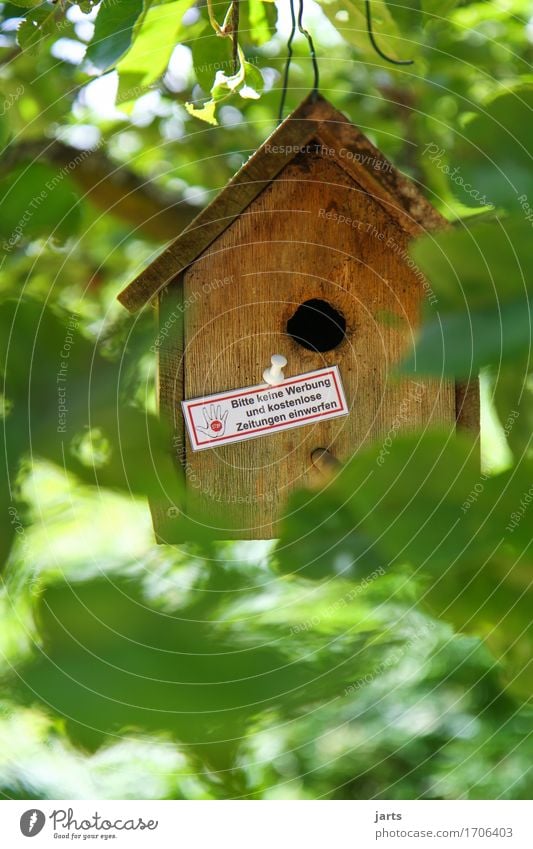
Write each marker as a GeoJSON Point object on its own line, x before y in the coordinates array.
{"type": "Point", "coordinates": [366, 165]}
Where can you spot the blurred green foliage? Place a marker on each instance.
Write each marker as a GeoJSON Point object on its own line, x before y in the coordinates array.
{"type": "Point", "coordinates": [382, 647]}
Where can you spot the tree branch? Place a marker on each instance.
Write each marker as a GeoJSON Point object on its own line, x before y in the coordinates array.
{"type": "Point", "coordinates": [113, 188]}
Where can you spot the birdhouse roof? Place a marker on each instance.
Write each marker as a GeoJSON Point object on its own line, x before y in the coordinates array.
{"type": "Point", "coordinates": [314, 121]}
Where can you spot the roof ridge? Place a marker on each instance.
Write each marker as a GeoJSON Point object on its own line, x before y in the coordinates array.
{"type": "Point", "coordinates": [312, 119]}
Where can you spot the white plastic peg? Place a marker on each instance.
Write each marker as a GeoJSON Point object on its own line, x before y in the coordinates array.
{"type": "Point", "coordinates": [274, 375]}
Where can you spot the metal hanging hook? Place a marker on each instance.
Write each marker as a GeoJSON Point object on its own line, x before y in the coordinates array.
{"type": "Point", "coordinates": [312, 51]}
{"type": "Point", "coordinates": [374, 43]}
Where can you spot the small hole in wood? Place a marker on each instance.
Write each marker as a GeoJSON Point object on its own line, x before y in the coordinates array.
{"type": "Point", "coordinates": [317, 326]}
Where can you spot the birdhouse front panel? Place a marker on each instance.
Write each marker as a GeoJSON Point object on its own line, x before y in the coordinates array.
{"type": "Point", "coordinates": [301, 259]}
{"type": "Point", "coordinates": [315, 269]}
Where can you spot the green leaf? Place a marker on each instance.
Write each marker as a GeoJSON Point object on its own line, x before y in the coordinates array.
{"type": "Point", "coordinates": [87, 5]}
{"type": "Point", "coordinates": [478, 265]}
{"type": "Point", "coordinates": [253, 82]}
{"type": "Point", "coordinates": [354, 29]}
{"type": "Point", "coordinates": [27, 4]}
{"type": "Point", "coordinates": [161, 30]}
{"type": "Point", "coordinates": [481, 278]}
{"type": "Point", "coordinates": [37, 200]}
{"type": "Point", "coordinates": [111, 660]}
{"type": "Point", "coordinates": [513, 397]}
{"type": "Point", "coordinates": [5, 130]}
{"type": "Point", "coordinates": [113, 32]}
{"type": "Point", "coordinates": [410, 15]}
{"type": "Point", "coordinates": [247, 82]}
{"type": "Point", "coordinates": [261, 24]}
{"type": "Point", "coordinates": [496, 151]}
{"type": "Point", "coordinates": [423, 501]}
{"type": "Point", "coordinates": [43, 17]}
{"type": "Point", "coordinates": [439, 8]}
{"type": "Point", "coordinates": [211, 55]}
{"type": "Point", "coordinates": [205, 112]}
{"type": "Point", "coordinates": [29, 36]}
{"type": "Point", "coordinates": [459, 344]}
{"type": "Point", "coordinates": [407, 13]}
{"type": "Point", "coordinates": [58, 381]}
{"type": "Point", "coordinates": [226, 84]}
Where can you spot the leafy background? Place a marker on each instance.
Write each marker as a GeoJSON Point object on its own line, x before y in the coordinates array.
{"type": "Point", "coordinates": [381, 647]}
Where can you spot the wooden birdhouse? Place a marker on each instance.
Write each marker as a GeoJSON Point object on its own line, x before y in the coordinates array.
{"type": "Point", "coordinates": [304, 254]}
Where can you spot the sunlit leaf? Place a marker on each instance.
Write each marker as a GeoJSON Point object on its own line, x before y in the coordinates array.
{"type": "Point", "coordinates": [261, 21]}
{"type": "Point", "coordinates": [162, 29]}
{"type": "Point", "coordinates": [113, 32]}
{"type": "Point", "coordinates": [205, 112]}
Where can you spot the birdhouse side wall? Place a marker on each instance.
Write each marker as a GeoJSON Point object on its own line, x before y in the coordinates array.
{"type": "Point", "coordinates": [166, 508]}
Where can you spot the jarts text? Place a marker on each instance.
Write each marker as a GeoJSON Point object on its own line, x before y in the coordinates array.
{"type": "Point", "coordinates": [380, 817]}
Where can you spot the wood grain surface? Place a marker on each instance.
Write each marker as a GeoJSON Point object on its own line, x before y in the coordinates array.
{"type": "Point", "coordinates": [287, 247]}
{"type": "Point", "coordinates": [314, 118]}
{"type": "Point", "coordinates": [170, 377]}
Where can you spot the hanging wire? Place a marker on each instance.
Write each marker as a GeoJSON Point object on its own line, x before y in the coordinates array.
{"type": "Point", "coordinates": [316, 78]}
{"type": "Point", "coordinates": [374, 43]}
{"type": "Point", "coordinates": [312, 51]}
{"type": "Point", "coordinates": [287, 63]}
{"type": "Point", "coordinates": [299, 22]}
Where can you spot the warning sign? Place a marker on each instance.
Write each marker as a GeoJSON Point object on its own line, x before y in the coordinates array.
{"type": "Point", "coordinates": [262, 410]}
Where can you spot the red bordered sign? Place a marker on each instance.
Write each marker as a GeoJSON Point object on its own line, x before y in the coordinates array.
{"type": "Point", "coordinates": [240, 414]}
